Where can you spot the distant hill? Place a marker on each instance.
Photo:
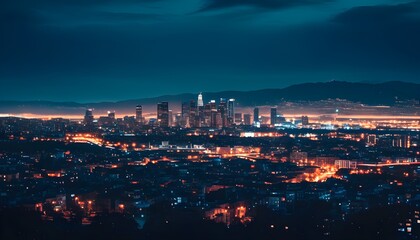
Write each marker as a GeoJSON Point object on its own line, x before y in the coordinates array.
{"type": "Point", "coordinates": [367, 93]}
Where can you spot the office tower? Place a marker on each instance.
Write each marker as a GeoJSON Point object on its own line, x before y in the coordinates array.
{"type": "Point", "coordinates": [139, 114]}
{"type": "Point", "coordinates": [219, 120]}
{"type": "Point", "coordinates": [231, 108]}
{"type": "Point", "coordinates": [213, 118]}
{"type": "Point", "coordinates": [178, 120]}
{"type": "Point", "coordinates": [238, 118]}
{"type": "Point", "coordinates": [207, 115]}
{"type": "Point", "coordinates": [273, 116]}
{"type": "Point", "coordinates": [193, 114]}
{"type": "Point", "coordinates": [170, 118]}
{"type": "Point", "coordinates": [212, 104]}
{"type": "Point", "coordinates": [231, 111]}
{"type": "Point", "coordinates": [305, 120]}
{"type": "Point", "coordinates": [88, 120]}
{"type": "Point", "coordinates": [200, 118]}
{"type": "Point", "coordinates": [222, 109]}
{"type": "Point", "coordinates": [200, 102]}
{"type": "Point", "coordinates": [111, 115]}
{"type": "Point", "coordinates": [247, 119]}
{"type": "Point", "coordinates": [185, 114]}
{"type": "Point", "coordinates": [163, 114]}
{"type": "Point", "coordinates": [256, 115]}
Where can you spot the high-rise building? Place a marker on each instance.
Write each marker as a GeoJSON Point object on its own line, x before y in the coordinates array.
{"type": "Point", "coordinates": [231, 111]}
{"type": "Point", "coordinates": [305, 120]}
{"type": "Point", "coordinates": [200, 118]}
{"type": "Point", "coordinates": [213, 118]}
{"type": "Point", "coordinates": [247, 119]}
{"type": "Point", "coordinates": [88, 120]}
{"type": "Point", "coordinates": [170, 118]}
{"type": "Point", "coordinates": [193, 114]}
{"type": "Point", "coordinates": [222, 109]}
{"type": "Point", "coordinates": [207, 115]}
{"type": "Point", "coordinates": [256, 115]}
{"type": "Point", "coordinates": [238, 118]}
{"type": "Point", "coordinates": [231, 108]}
{"type": "Point", "coordinates": [111, 115]}
{"type": "Point", "coordinates": [273, 116]}
{"type": "Point", "coordinates": [212, 104]}
{"type": "Point", "coordinates": [178, 120]}
{"type": "Point", "coordinates": [200, 102]}
{"type": "Point", "coordinates": [185, 114]}
{"type": "Point", "coordinates": [139, 114]}
{"type": "Point", "coordinates": [163, 114]}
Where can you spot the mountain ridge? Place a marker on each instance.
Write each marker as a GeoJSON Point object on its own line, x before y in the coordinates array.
{"type": "Point", "coordinates": [367, 93]}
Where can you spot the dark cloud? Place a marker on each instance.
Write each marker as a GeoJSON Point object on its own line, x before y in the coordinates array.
{"type": "Point", "coordinates": [265, 4]}
{"type": "Point", "coordinates": [66, 3]}
{"type": "Point", "coordinates": [380, 14]}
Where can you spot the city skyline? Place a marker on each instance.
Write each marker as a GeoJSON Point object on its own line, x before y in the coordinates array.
{"type": "Point", "coordinates": [112, 50]}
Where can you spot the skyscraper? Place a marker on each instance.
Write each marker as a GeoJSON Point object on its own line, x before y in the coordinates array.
{"type": "Point", "coordinates": [273, 116]}
{"type": "Point", "coordinates": [207, 115]}
{"type": "Point", "coordinates": [238, 118]}
{"type": "Point", "coordinates": [256, 115]}
{"type": "Point", "coordinates": [111, 115]}
{"type": "Point", "coordinates": [222, 109]}
{"type": "Point", "coordinates": [88, 120]}
{"type": "Point", "coordinates": [200, 102]}
{"type": "Point", "coordinates": [200, 111]}
{"type": "Point", "coordinates": [212, 104]}
{"type": "Point", "coordinates": [230, 112]}
{"type": "Point", "coordinates": [170, 118]}
{"type": "Point", "coordinates": [139, 114]}
{"type": "Point", "coordinates": [305, 120]}
{"type": "Point", "coordinates": [185, 114]}
{"type": "Point", "coordinates": [193, 114]}
{"type": "Point", "coordinates": [231, 108]}
{"type": "Point", "coordinates": [247, 119]}
{"type": "Point", "coordinates": [163, 114]}
{"type": "Point", "coordinates": [213, 119]}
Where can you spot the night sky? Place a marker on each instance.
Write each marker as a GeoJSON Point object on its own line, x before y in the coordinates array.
{"type": "Point", "coordinates": [96, 50]}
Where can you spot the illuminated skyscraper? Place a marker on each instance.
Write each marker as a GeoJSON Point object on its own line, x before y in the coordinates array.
{"type": "Point", "coordinates": [88, 120]}
{"type": "Point", "coordinates": [193, 114]}
{"type": "Point", "coordinates": [238, 118]}
{"type": "Point", "coordinates": [207, 115]}
{"type": "Point", "coordinates": [256, 115]}
{"type": "Point", "coordinates": [273, 116]}
{"type": "Point", "coordinates": [163, 114]}
{"type": "Point", "coordinates": [111, 115]}
{"type": "Point", "coordinates": [170, 118]}
{"type": "Point", "coordinates": [200, 102]}
{"type": "Point", "coordinates": [212, 104]}
{"type": "Point", "coordinates": [185, 114]}
{"type": "Point", "coordinates": [222, 109]}
{"type": "Point", "coordinates": [230, 116]}
{"type": "Point", "coordinates": [139, 114]}
{"type": "Point", "coordinates": [200, 118]}
{"type": "Point", "coordinates": [247, 119]}
{"type": "Point", "coordinates": [213, 118]}
{"type": "Point", "coordinates": [231, 108]}
{"type": "Point", "coordinates": [305, 120]}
